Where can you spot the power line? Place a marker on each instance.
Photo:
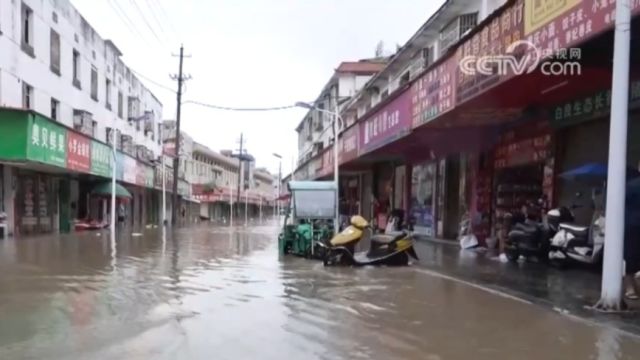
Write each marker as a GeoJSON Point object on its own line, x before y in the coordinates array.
{"type": "Point", "coordinates": [153, 81]}
{"type": "Point", "coordinates": [145, 20]}
{"type": "Point", "coordinates": [155, 17]}
{"type": "Point", "coordinates": [229, 108]}
{"type": "Point", "coordinates": [117, 9]}
{"type": "Point", "coordinates": [167, 18]}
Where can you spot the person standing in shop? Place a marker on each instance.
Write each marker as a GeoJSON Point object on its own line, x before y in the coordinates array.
{"type": "Point", "coordinates": [122, 213]}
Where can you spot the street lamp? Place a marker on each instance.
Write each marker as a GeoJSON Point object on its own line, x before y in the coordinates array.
{"type": "Point", "coordinates": [279, 182]}
{"type": "Point", "coordinates": [336, 118]}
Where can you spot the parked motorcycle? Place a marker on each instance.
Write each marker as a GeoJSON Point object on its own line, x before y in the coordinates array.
{"type": "Point", "coordinates": [528, 234]}
{"type": "Point", "coordinates": [389, 249]}
{"type": "Point", "coordinates": [578, 244]}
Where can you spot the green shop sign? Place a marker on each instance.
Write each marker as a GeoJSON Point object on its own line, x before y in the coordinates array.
{"type": "Point", "coordinates": [590, 107]}
{"type": "Point", "coordinates": [101, 159]}
{"type": "Point", "coordinates": [46, 142]}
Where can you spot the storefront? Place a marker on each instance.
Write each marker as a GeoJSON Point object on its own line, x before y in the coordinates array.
{"type": "Point", "coordinates": [36, 203]}
{"type": "Point", "coordinates": [59, 168]}
{"type": "Point", "coordinates": [423, 200]}
{"type": "Point", "coordinates": [523, 170]}
{"type": "Point", "coordinates": [582, 129]}
{"type": "Point", "coordinates": [389, 123]}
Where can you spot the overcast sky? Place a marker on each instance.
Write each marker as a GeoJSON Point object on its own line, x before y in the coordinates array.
{"type": "Point", "coordinates": [250, 53]}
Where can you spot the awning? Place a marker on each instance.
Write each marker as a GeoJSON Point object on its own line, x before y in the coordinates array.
{"type": "Point", "coordinates": [104, 189]}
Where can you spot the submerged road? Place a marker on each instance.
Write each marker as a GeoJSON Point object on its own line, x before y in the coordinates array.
{"type": "Point", "coordinates": [212, 293]}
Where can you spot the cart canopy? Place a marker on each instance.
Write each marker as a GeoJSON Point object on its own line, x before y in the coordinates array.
{"type": "Point", "coordinates": [311, 185]}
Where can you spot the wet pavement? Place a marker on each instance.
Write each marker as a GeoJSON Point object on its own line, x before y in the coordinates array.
{"type": "Point", "coordinates": [208, 293]}
{"type": "Point", "coordinates": [572, 291]}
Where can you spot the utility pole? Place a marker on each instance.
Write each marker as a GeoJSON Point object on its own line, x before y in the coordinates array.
{"type": "Point", "coordinates": [240, 172]}
{"type": "Point", "coordinates": [612, 271]}
{"type": "Point", "coordinates": [176, 160]}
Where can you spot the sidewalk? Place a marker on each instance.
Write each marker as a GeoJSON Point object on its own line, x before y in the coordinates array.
{"type": "Point", "coordinates": [568, 291]}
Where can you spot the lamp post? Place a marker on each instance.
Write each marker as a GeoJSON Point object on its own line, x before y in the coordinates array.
{"type": "Point", "coordinates": [611, 296]}
{"type": "Point", "coordinates": [114, 133]}
{"type": "Point", "coordinates": [246, 205]}
{"type": "Point", "coordinates": [336, 119]}
{"type": "Point", "coordinates": [279, 183]}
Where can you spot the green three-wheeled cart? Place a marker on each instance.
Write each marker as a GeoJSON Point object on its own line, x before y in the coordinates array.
{"type": "Point", "coordinates": [309, 218]}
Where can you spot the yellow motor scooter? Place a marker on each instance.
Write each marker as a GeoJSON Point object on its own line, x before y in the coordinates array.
{"type": "Point", "coordinates": [388, 249]}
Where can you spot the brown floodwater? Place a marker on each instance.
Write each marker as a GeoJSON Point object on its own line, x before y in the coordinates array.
{"type": "Point", "coordinates": [208, 293]}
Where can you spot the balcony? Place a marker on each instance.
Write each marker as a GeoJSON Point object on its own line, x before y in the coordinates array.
{"type": "Point", "coordinates": [83, 122]}
{"type": "Point", "coordinates": [457, 29]}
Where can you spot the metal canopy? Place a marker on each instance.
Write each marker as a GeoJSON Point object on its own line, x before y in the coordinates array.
{"type": "Point", "coordinates": [311, 185]}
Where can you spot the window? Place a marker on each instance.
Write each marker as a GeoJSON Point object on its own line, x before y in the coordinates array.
{"type": "Point", "coordinates": [55, 109]}
{"type": "Point", "coordinates": [108, 93]}
{"type": "Point", "coordinates": [427, 56]}
{"type": "Point", "coordinates": [27, 30]}
{"type": "Point", "coordinates": [76, 69]}
{"type": "Point", "coordinates": [94, 128]}
{"type": "Point", "coordinates": [55, 52]}
{"type": "Point", "coordinates": [468, 22]}
{"type": "Point", "coordinates": [159, 134]}
{"type": "Point", "coordinates": [405, 78]}
{"type": "Point", "coordinates": [94, 83]}
{"type": "Point", "coordinates": [456, 29]}
{"type": "Point", "coordinates": [27, 96]}
{"type": "Point", "coordinates": [120, 108]}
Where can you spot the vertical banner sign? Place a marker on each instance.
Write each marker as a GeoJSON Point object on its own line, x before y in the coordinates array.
{"type": "Point", "coordinates": [130, 172]}
{"type": "Point", "coordinates": [120, 166]}
{"type": "Point", "coordinates": [348, 145]}
{"type": "Point", "coordinates": [101, 159]}
{"type": "Point", "coordinates": [492, 40]}
{"type": "Point", "coordinates": [149, 177]}
{"type": "Point", "coordinates": [47, 142]}
{"type": "Point", "coordinates": [78, 152]}
{"type": "Point", "coordinates": [433, 94]}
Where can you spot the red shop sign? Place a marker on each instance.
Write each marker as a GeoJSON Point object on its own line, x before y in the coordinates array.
{"type": "Point", "coordinates": [387, 124]}
{"type": "Point", "coordinates": [554, 26]}
{"type": "Point", "coordinates": [433, 93]}
{"type": "Point", "coordinates": [78, 152]}
{"type": "Point", "coordinates": [493, 39]}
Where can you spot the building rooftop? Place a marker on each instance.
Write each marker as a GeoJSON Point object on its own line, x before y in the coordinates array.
{"type": "Point", "coordinates": [362, 67]}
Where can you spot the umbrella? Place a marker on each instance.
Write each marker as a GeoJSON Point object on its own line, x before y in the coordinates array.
{"type": "Point", "coordinates": [104, 189]}
{"type": "Point", "coordinates": [593, 172]}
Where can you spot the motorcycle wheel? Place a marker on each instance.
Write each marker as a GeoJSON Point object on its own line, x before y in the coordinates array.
{"type": "Point", "coordinates": [512, 255]}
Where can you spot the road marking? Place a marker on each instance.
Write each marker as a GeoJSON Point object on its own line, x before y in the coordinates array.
{"type": "Point", "coordinates": [473, 285]}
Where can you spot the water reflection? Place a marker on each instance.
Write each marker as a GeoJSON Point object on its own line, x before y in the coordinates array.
{"type": "Point", "coordinates": [184, 293]}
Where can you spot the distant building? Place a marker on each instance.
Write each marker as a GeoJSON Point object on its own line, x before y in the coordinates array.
{"type": "Point", "coordinates": [314, 131]}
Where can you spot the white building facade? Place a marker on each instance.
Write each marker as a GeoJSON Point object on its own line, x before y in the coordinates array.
{"type": "Point", "coordinates": [68, 80]}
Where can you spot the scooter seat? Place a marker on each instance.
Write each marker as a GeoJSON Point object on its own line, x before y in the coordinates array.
{"type": "Point", "coordinates": [387, 239]}
{"type": "Point", "coordinates": [575, 230]}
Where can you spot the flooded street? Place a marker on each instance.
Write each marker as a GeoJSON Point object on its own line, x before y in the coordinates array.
{"type": "Point", "coordinates": [206, 293]}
